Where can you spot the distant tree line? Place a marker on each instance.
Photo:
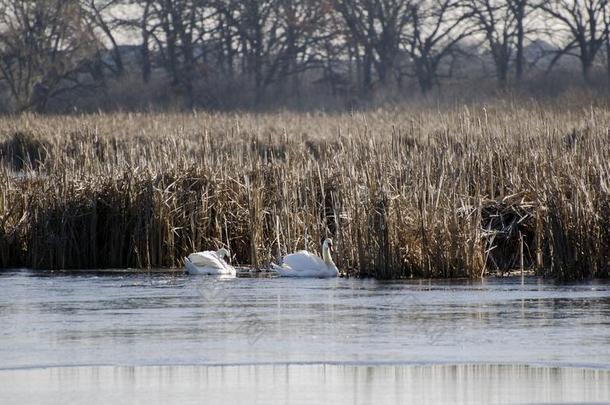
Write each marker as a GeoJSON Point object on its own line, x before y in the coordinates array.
{"type": "Point", "coordinates": [52, 47]}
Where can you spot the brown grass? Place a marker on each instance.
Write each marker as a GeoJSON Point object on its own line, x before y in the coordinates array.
{"type": "Point", "coordinates": [405, 192]}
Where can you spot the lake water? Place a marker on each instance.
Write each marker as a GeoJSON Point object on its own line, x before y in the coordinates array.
{"type": "Point", "coordinates": [342, 340]}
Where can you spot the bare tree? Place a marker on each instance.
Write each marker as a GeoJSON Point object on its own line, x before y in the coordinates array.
{"type": "Point", "coordinates": [227, 34]}
{"type": "Point", "coordinates": [305, 26]}
{"type": "Point", "coordinates": [503, 24]}
{"type": "Point", "coordinates": [274, 37]}
{"type": "Point", "coordinates": [607, 35]}
{"type": "Point", "coordinates": [377, 27]}
{"type": "Point", "coordinates": [99, 15]}
{"type": "Point", "coordinates": [435, 28]}
{"type": "Point", "coordinates": [582, 23]}
{"type": "Point", "coordinates": [45, 49]}
{"type": "Point", "coordinates": [145, 47]}
{"type": "Point", "coordinates": [520, 10]}
{"type": "Point", "coordinates": [175, 29]}
{"type": "Point", "coordinates": [258, 31]}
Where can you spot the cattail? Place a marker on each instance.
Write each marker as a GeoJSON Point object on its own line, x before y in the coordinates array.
{"type": "Point", "coordinates": [405, 193]}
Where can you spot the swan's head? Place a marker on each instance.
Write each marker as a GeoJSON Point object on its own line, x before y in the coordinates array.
{"type": "Point", "coordinates": [222, 252]}
{"type": "Point", "coordinates": [328, 244]}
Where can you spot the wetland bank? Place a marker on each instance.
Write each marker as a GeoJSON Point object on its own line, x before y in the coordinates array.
{"type": "Point", "coordinates": [404, 191]}
{"type": "Point", "coordinates": [459, 194]}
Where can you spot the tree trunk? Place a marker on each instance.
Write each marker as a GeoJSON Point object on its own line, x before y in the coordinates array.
{"type": "Point", "coordinates": [187, 73]}
{"type": "Point", "coordinates": [145, 57]}
{"type": "Point", "coordinates": [586, 61]}
{"type": "Point", "coordinates": [367, 79]}
{"type": "Point", "coordinates": [382, 71]}
{"type": "Point", "coordinates": [172, 57]}
{"type": "Point", "coordinates": [520, 39]}
{"type": "Point", "coordinates": [145, 51]}
{"type": "Point", "coordinates": [258, 62]}
{"type": "Point", "coordinates": [359, 67]}
{"type": "Point", "coordinates": [116, 51]}
{"type": "Point", "coordinates": [425, 79]}
{"type": "Point", "coordinates": [501, 61]}
{"type": "Point", "coordinates": [606, 19]}
{"type": "Point", "coordinates": [586, 69]}
{"type": "Point", "coordinates": [230, 51]}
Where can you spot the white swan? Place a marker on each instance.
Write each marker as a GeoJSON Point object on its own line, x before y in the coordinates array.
{"type": "Point", "coordinates": [305, 264]}
{"type": "Point", "coordinates": [209, 262]}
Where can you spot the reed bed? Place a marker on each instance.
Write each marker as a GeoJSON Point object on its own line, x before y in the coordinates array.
{"type": "Point", "coordinates": [405, 192]}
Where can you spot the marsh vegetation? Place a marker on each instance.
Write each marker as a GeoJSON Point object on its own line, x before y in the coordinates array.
{"type": "Point", "coordinates": [404, 191]}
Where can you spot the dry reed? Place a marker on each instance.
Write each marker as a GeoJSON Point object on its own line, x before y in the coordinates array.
{"type": "Point", "coordinates": [404, 192]}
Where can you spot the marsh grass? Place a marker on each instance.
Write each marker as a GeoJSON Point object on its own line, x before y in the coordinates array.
{"type": "Point", "coordinates": [405, 192]}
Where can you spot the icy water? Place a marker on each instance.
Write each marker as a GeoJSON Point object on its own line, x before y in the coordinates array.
{"type": "Point", "coordinates": [154, 338]}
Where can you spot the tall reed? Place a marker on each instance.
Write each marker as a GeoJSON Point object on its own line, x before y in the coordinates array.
{"type": "Point", "coordinates": [405, 192]}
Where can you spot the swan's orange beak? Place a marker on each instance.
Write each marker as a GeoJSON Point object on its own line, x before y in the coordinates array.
{"type": "Point", "coordinates": [331, 248]}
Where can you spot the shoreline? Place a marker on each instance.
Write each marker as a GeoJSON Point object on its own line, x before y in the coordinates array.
{"type": "Point", "coordinates": [245, 272]}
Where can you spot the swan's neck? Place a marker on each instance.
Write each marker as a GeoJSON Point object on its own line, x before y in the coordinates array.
{"type": "Point", "coordinates": [326, 256]}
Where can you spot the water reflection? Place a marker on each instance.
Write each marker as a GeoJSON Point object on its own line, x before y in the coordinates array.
{"type": "Point", "coordinates": [156, 320]}
{"type": "Point", "coordinates": [296, 384]}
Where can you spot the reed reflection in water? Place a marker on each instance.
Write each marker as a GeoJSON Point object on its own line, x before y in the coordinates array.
{"type": "Point", "coordinates": [306, 383]}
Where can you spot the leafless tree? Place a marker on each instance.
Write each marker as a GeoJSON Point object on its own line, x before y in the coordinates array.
{"type": "Point", "coordinates": [607, 35]}
{"type": "Point", "coordinates": [142, 24]}
{"type": "Point", "coordinates": [520, 10]}
{"type": "Point", "coordinates": [376, 26]}
{"type": "Point", "coordinates": [99, 14]}
{"type": "Point", "coordinates": [305, 26]}
{"type": "Point", "coordinates": [175, 29]}
{"type": "Point", "coordinates": [582, 24]}
{"type": "Point", "coordinates": [435, 28]}
{"type": "Point", "coordinates": [45, 49]}
{"type": "Point", "coordinates": [257, 30]}
{"type": "Point", "coordinates": [200, 47]}
{"type": "Point", "coordinates": [274, 37]}
{"type": "Point", "coordinates": [503, 24]}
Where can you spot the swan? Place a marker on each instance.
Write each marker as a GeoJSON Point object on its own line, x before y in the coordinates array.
{"type": "Point", "coordinates": [209, 262]}
{"type": "Point", "coordinates": [305, 264]}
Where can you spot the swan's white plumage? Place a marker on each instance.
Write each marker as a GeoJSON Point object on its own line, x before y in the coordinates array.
{"type": "Point", "coordinates": [206, 258]}
{"type": "Point", "coordinates": [306, 264]}
{"type": "Point", "coordinates": [303, 259]}
{"type": "Point", "coordinates": [208, 262]}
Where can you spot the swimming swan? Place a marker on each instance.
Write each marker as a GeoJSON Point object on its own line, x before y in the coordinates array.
{"type": "Point", "coordinates": [209, 262]}
{"type": "Point", "coordinates": [305, 264]}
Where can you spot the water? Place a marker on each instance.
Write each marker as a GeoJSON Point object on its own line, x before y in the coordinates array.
{"type": "Point", "coordinates": [333, 330]}
{"type": "Point", "coordinates": [305, 384]}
